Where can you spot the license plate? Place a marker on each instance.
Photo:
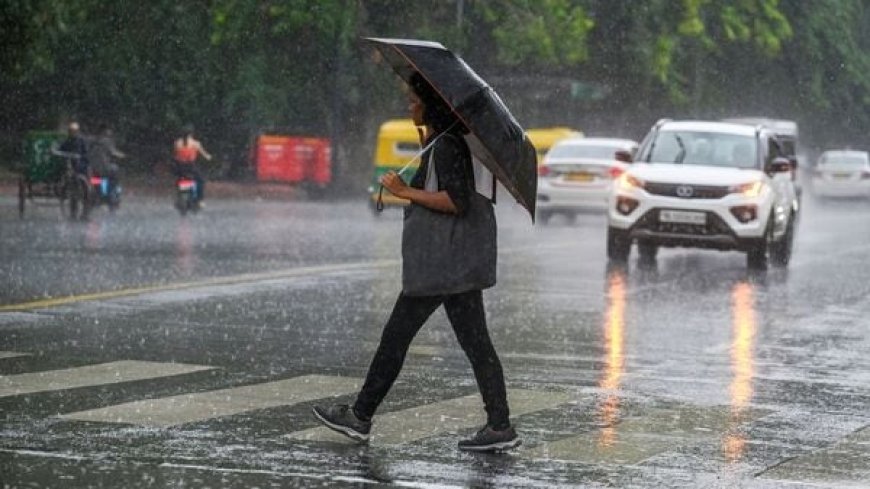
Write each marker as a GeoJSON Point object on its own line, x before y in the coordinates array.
{"type": "Point", "coordinates": [683, 217]}
{"type": "Point", "coordinates": [578, 177]}
{"type": "Point", "coordinates": [841, 176]}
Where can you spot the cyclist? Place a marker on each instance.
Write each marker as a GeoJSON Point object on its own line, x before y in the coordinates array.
{"type": "Point", "coordinates": [75, 148]}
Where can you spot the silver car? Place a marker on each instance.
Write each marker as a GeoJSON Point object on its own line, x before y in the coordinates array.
{"type": "Point", "coordinates": [577, 174]}
{"type": "Point", "coordinates": [842, 173]}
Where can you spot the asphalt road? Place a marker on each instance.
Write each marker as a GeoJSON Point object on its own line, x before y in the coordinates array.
{"type": "Point", "coordinates": [148, 350]}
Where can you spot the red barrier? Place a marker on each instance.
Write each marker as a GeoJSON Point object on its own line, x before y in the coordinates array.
{"type": "Point", "coordinates": [292, 159]}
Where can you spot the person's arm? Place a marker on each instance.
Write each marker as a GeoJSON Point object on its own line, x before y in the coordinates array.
{"type": "Point", "coordinates": [202, 151]}
{"type": "Point", "coordinates": [117, 153]}
{"type": "Point", "coordinates": [439, 201]}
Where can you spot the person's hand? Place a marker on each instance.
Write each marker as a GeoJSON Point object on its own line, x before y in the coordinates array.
{"type": "Point", "coordinates": [394, 183]}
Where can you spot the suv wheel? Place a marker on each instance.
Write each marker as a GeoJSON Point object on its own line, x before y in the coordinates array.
{"type": "Point", "coordinates": [756, 257]}
{"type": "Point", "coordinates": [618, 244]}
{"type": "Point", "coordinates": [780, 251]}
{"type": "Point", "coordinates": [647, 250]}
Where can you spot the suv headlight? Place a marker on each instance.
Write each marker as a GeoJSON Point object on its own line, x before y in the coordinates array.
{"type": "Point", "coordinates": [751, 189]}
{"type": "Point", "coordinates": [628, 182]}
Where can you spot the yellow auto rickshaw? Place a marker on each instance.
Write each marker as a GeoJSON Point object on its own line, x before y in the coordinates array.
{"type": "Point", "coordinates": [398, 143]}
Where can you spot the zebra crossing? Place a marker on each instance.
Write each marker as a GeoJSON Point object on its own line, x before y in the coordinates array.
{"type": "Point", "coordinates": [188, 408]}
{"type": "Point", "coordinates": [659, 430]}
{"type": "Point", "coordinates": [91, 375]}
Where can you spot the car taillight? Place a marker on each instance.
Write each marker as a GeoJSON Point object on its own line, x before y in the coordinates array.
{"type": "Point", "coordinates": [543, 171]}
{"type": "Point", "coordinates": [615, 172]}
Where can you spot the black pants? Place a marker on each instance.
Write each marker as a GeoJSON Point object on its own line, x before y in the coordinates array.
{"type": "Point", "coordinates": [466, 314]}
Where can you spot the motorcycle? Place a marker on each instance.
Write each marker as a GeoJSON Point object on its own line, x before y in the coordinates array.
{"type": "Point", "coordinates": [103, 192]}
{"type": "Point", "coordinates": [186, 195]}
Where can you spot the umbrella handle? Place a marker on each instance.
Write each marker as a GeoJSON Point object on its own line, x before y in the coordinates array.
{"type": "Point", "coordinates": [379, 205]}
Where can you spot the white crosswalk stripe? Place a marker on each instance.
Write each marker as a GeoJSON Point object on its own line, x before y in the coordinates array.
{"type": "Point", "coordinates": [441, 417]}
{"type": "Point", "coordinates": [91, 375]}
{"type": "Point", "coordinates": [12, 354]}
{"type": "Point", "coordinates": [187, 408]}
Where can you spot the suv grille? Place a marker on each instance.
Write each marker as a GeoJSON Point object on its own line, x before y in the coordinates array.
{"type": "Point", "coordinates": [715, 225]}
{"type": "Point", "coordinates": [686, 191]}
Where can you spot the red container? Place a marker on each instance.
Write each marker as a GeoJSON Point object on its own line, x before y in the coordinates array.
{"type": "Point", "coordinates": [292, 159]}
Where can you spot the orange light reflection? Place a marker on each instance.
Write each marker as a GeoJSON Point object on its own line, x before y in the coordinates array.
{"type": "Point", "coordinates": [742, 367]}
{"type": "Point", "coordinates": [614, 338]}
{"type": "Point", "coordinates": [185, 258]}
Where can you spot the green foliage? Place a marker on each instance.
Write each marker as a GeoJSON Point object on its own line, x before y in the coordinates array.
{"type": "Point", "coordinates": [238, 67]}
{"type": "Point", "coordinates": [538, 33]}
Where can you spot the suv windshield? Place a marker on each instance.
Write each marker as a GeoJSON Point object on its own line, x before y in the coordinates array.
{"type": "Point", "coordinates": [703, 148]}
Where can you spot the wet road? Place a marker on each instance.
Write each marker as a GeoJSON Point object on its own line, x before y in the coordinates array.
{"type": "Point", "coordinates": [146, 350]}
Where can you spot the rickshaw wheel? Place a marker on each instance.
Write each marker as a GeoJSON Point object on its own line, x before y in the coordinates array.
{"type": "Point", "coordinates": [22, 196]}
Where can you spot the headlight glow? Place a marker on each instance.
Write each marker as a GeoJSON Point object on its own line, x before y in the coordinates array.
{"type": "Point", "coordinates": [628, 182]}
{"type": "Point", "coordinates": [751, 189]}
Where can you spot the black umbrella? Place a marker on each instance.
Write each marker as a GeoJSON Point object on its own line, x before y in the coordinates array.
{"type": "Point", "coordinates": [496, 139]}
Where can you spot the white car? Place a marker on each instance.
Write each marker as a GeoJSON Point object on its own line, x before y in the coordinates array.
{"type": "Point", "coordinates": [842, 174]}
{"type": "Point", "coordinates": [704, 184]}
{"type": "Point", "coordinates": [577, 174]}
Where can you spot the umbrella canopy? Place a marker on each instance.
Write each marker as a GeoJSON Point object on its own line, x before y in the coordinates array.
{"type": "Point", "coordinates": [495, 139]}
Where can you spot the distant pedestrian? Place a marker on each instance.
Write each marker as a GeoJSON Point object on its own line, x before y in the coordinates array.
{"type": "Point", "coordinates": [443, 183]}
{"type": "Point", "coordinates": [186, 150]}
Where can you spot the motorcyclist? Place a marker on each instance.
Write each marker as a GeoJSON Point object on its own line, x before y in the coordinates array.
{"type": "Point", "coordinates": [186, 150]}
{"type": "Point", "coordinates": [103, 154]}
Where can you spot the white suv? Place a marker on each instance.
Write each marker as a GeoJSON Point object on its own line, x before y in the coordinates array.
{"type": "Point", "coordinates": [703, 184]}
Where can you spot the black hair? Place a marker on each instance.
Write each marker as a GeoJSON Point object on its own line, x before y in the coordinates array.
{"type": "Point", "coordinates": [186, 132]}
{"type": "Point", "coordinates": [436, 112]}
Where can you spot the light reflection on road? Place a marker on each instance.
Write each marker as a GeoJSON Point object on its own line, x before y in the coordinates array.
{"type": "Point", "coordinates": [185, 258]}
{"type": "Point", "coordinates": [94, 234]}
{"type": "Point", "coordinates": [742, 367]}
{"type": "Point", "coordinates": [614, 341]}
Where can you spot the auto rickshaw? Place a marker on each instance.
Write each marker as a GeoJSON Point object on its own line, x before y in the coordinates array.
{"type": "Point", "coordinates": [398, 143]}
{"type": "Point", "coordinates": [48, 178]}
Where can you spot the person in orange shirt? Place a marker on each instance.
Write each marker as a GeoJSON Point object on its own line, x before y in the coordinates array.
{"type": "Point", "coordinates": [186, 151]}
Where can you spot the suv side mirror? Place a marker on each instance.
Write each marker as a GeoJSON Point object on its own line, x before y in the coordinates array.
{"type": "Point", "coordinates": [778, 165]}
{"type": "Point", "coordinates": [623, 156]}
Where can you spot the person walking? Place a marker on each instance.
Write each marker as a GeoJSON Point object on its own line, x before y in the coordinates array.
{"type": "Point", "coordinates": [185, 152]}
{"type": "Point", "coordinates": [443, 185]}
